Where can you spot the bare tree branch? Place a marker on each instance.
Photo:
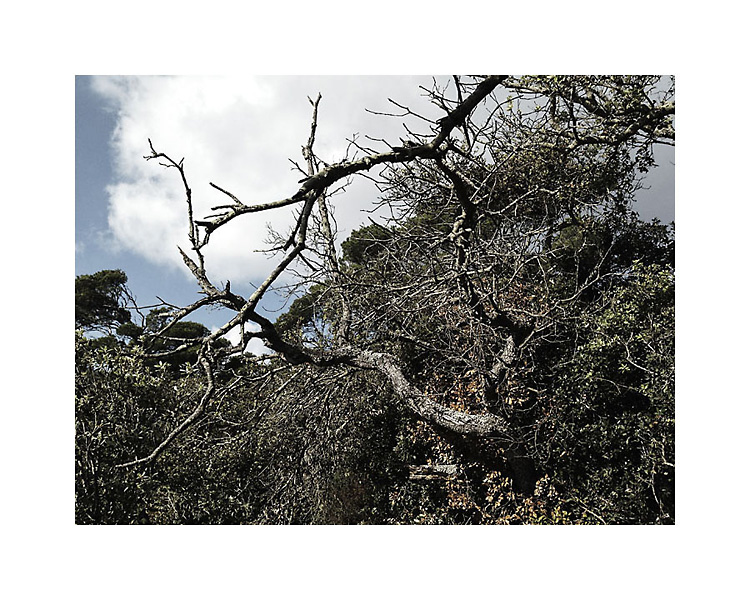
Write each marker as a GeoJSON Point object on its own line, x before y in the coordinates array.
{"type": "Point", "coordinates": [505, 213]}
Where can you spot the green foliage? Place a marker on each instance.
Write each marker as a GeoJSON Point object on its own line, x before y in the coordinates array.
{"type": "Point", "coordinates": [99, 299]}
{"type": "Point", "coordinates": [255, 457]}
{"type": "Point", "coordinates": [613, 414]}
{"type": "Point", "coordinates": [130, 330]}
{"type": "Point", "coordinates": [365, 244]}
{"type": "Point", "coordinates": [177, 335]}
{"type": "Point", "coordinates": [121, 408]}
{"type": "Point", "coordinates": [298, 322]}
{"type": "Point", "coordinates": [610, 425]}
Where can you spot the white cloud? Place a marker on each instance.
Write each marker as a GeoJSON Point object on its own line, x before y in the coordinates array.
{"type": "Point", "coordinates": [238, 133]}
{"type": "Point", "coordinates": [257, 347]}
{"type": "Point", "coordinates": [254, 346]}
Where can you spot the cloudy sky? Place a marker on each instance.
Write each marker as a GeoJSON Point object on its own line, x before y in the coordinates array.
{"type": "Point", "coordinates": [239, 133]}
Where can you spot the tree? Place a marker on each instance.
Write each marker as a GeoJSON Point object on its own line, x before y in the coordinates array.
{"type": "Point", "coordinates": [617, 423]}
{"type": "Point", "coordinates": [163, 347]}
{"type": "Point", "coordinates": [100, 300]}
{"type": "Point", "coordinates": [512, 233]}
{"type": "Point", "coordinates": [122, 408]}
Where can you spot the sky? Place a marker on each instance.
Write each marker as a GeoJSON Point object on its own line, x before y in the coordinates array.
{"type": "Point", "coordinates": [239, 133]}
